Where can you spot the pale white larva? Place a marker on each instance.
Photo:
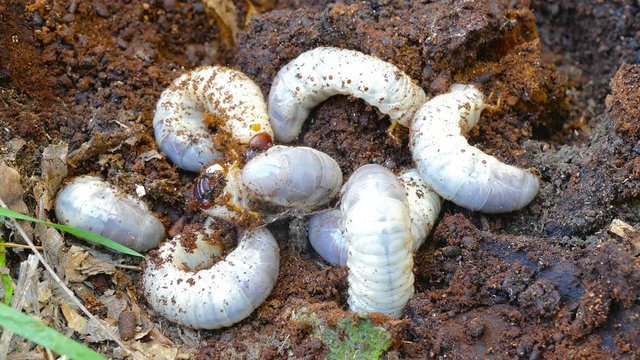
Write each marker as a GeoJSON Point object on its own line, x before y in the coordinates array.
{"type": "Point", "coordinates": [326, 231]}
{"type": "Point", "coordinates": [377, 226]}
{"type": "Point", "coordinates": [320, 73]}
{"type": "Point", "coordinates": [295, 177]}
{"type": "Point", "coordinates": [229, 95]}
{"type": "Point", "coordinates": [91, 204]}
{"type": "Point", "coordinates": [458, 171]}
{"type": "Point", "coordinates": [185, 285]}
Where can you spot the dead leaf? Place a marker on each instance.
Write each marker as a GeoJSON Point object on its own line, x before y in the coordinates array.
{"type": "Point", "coordinates": [93, 266]}
{"type": "Point", "coordinates": [13, 146]}
{"type": "Point", "coordinates": [627, 232]}
{"type": "Point", "coordinates": [71, 264]}
{"type": "Point", "coordinates": [75, 321]}
{"type": "Point", "coordinates": [93, 333]}
{"type": "Point", "coordinates": [150, 155]}
{"type": "Point", "coordinates": [11, 193]}
{"type": "Point", "coordinates": [54, 165]}
{"type": "Point", "coordinates": [226, 15]}
{"type": "Point", "coordinates": [115, 304]}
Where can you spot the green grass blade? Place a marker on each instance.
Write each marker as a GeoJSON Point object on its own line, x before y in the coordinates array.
{"type": "Point", "coordinates": [87, 235]}
{"type": "Point", "coordinates": [6, 278]}
{"type": "Point", "coordinates": [39, 333]}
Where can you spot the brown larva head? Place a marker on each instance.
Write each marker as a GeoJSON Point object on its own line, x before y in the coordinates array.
{"type": "Point", "coordinates": [261, 141]}
{"type": "Point", "coordinates": [209, 186]}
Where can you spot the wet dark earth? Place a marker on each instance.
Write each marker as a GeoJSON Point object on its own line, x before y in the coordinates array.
{"type": "Point", "coordinates": [550, 281]}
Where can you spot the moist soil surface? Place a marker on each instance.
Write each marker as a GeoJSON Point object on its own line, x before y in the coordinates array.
{"type": "Point", "coordinates": [549, 281]}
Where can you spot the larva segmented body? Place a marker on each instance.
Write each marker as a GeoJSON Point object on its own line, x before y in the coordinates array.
{"type": "Point", "coordinates": [91, 204]}
{"type": "Point", "coordinates": [326, 231]}
{"type": "Point", "coordinates": [458, 171]}
{"type": "Point", "coordinates": [219, 294]}
{"type": "Point", "coordinates": [320, 73]}
{"type": "Point", "coordinates": [229, 95]}
{"type": "Point", "coordinates": [378, 231]}
{"type": "Point", "coordinates": [297, 177]}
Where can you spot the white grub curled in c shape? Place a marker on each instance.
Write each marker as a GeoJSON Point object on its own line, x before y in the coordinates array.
{"type": "Point", "coordinates": [377, 225]}
{"type": "Point", "coordinates": [458, 171]}
{"type": "Point", "coordinates": [213, 295]}
{"type": "Point", "coordinates": [326, 230]}
{"type": "Point", "coordinates": [227, 94]}
{"type": "Point", "coordinates": [88, 203]}
{"type": "Point", "coordinates": [320, 73]}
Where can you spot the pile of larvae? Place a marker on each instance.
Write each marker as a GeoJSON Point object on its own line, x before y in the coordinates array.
{"type": "Point", "coordinates": [382, 217]}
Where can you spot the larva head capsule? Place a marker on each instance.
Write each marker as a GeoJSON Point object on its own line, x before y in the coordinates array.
{"type": "Point", "coordinates": [261, 141]}
{"type": "Point", "coordinates": [209, 185]}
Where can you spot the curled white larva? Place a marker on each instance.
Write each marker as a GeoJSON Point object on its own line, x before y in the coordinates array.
{"type": "Point", "coordinates": [322, 72]}
{"type": "Point", "coordinates": [229, 95]}
{"type": "Point", "coordinates": [294, 177]}
{"type": "Point", "coordinates": [326, 236]}
{"type": "Point", "coordinates": [424, 205]}
{"type": "Point", "coordinates": [298, 177]}
{"type": "Point", "coordinates": [186, 287]}
{"type": "Point", "coordinates": [458, 171]}
{"type": "Point", "coordinates": [378, 231]}
{"type": "Point", "coordinates": [91, 204]}
{"type": "Point", "coordinates": [326, 230]}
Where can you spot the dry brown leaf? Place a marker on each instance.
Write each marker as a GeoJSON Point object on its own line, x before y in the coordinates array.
{"type": "Point", "coordinates": [115, 304]}
{"type": "Point", "coordinates": [92, 266]}
{"type": "Point", "coordinates": [93, 333]}
{"type": "Point", "coordinates": [626, 231]}
{"type": "Point", "coordinates": [11, 193]}
{"type": "Point", "coordinates": [71, 262]}
{"type": "Point", "coordinates": [226, 15]}
{"type": "Point", "coordinates": [75, 321]}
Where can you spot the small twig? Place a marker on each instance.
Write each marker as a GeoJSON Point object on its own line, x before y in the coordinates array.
{"type": "Point", "coordinates": [21, 246]}
{"type": "Point", "coordinates": [129, 267]}
{"type": "Point", "coordinates": [59, 282]}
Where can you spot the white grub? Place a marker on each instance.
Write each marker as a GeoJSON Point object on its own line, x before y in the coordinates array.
{"type": "Point", "coordinates": [323, 72]}
{"type": "Point", "coordinates": [326, 236]}
{"type": "Point", "coordinates": [188, 287]}
{"type": "Point", "coordinates": [458, 171]}
{"type": "Point", "coordinates": [378, 232]}
{"type": "Point", "coordinates": [294, 177]}
{"type": "Point", "coordinates": [424, 205]}
{"type": "Point", "coordinates": [326, 231]}
{"type": "Point", "coordinates": [229, 95]}
{"type": "Point", "coordinates": [298, 177]}
{"type": "Point", "coordinates": [91, 204]}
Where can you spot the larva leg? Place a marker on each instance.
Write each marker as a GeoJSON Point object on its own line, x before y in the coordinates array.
{"type": "Point", "coordinates": [220, 294]}
{"type": "Point", "coordinates": [228, 95]}
{"type": "Point", "coordinates": [320, 73]}
{"type": "Point", "coordinates": [458, 171]}
{"type": "Point", "coordinates": [89, 203]}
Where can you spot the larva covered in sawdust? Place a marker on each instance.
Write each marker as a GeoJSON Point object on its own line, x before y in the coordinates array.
{"type": "Point", "coordinates": [377, 225]}
{"type": "Point", "coordinates": [91, 204]}
{"type": "Point", "coordinates": [320, 73]}
{"type": "Point", "coordinates": [458, 171]}
{"type": "Point", "coordinates": [326, 231]}
{"type": "Point", "coordinates": [229, 95]}
{"type": "Point", "coordinates": [296, 177]}
{"type": "Point", "coordinates": [184, 285]}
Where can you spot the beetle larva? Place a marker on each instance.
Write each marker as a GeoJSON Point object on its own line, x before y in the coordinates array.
{"type": "Point", "coordinates": [295, 177]}
{"type": "Point", "coordinates": [91, 204]}
{"type": "Point", "coordinates": [185, 286]}
{"type": "Point", "coordinates": [378, 232]}
{"type": "Point", "coordinates": [229, 95]}
{"type": "Point", "coordinates": [298, 177]}
{"type": "Point", "coordinates": [320, 73]}
{"type": "Point", "coordinates": [458, 171]}
{"type": "Point", "coordinates": [326, 231]}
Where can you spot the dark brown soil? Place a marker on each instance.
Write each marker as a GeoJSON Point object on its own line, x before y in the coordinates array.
{"type": "Point", "coordinates": [546, 282]}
